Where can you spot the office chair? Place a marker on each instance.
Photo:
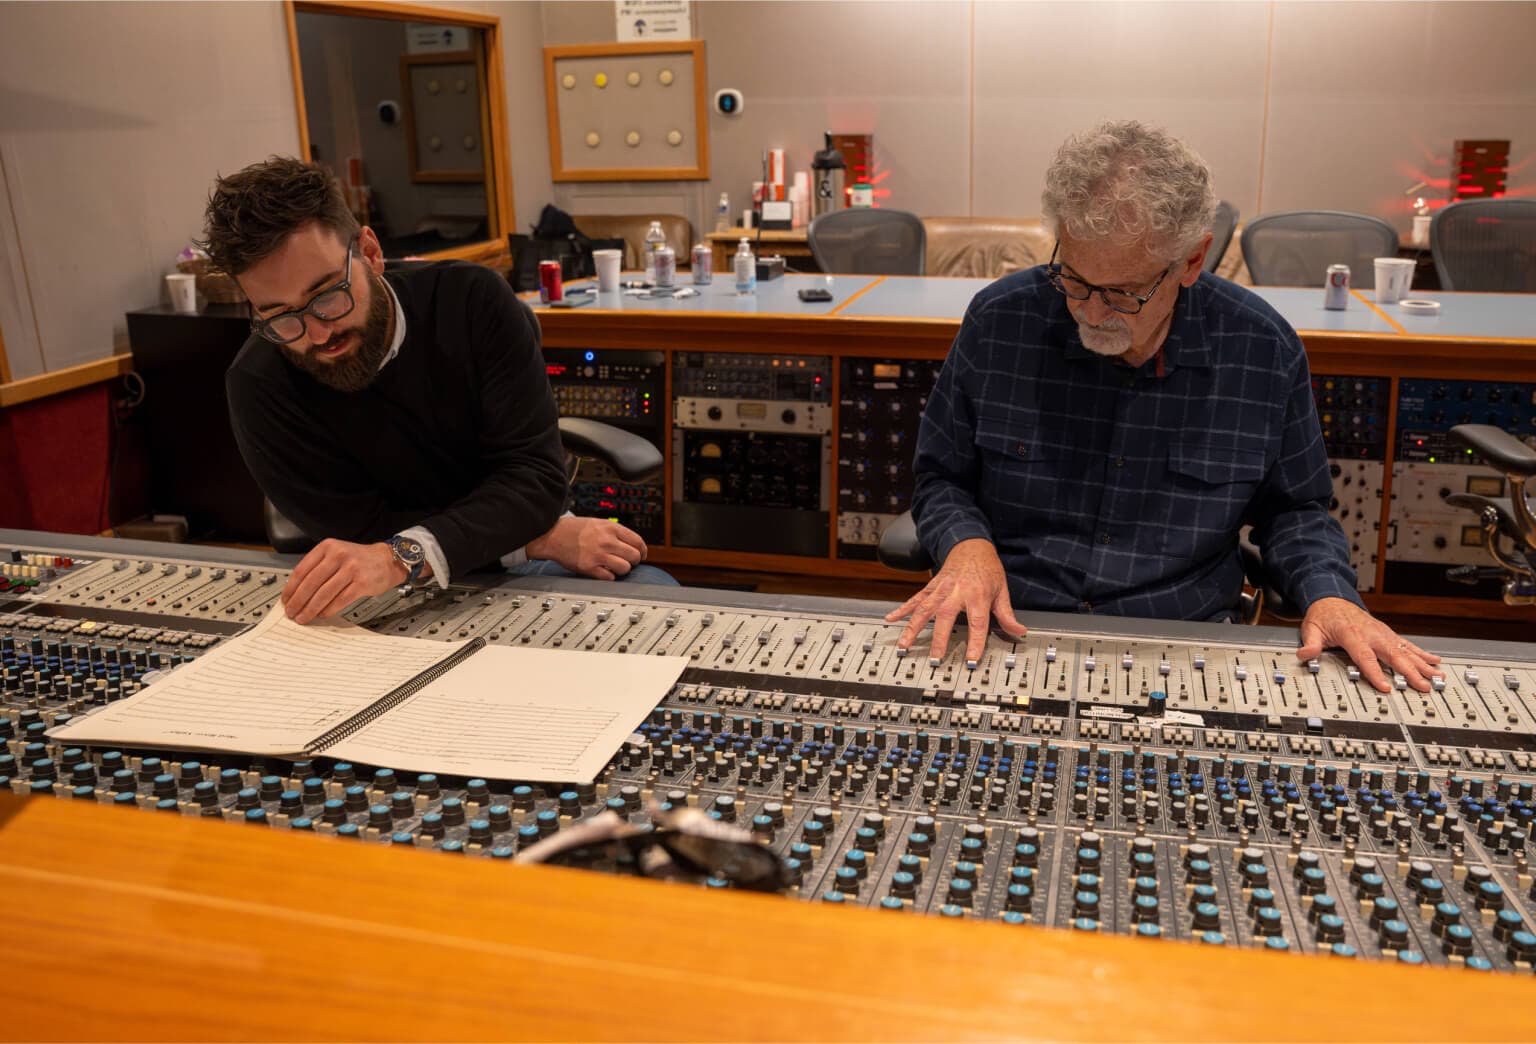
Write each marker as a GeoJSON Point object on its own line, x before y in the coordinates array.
{"type": "Point", "coordinates": [631, 456]}
{"type": "Point", "coordinates": [899, 548]}
{"type": "Point", "coordinates": [1487, 245]}
{"type": "Point", "coordinates": [1221, 235]}
{"type": "Point", "coordinates": [865, 241]}
{"type": "Point", "coordinates": [1295, 248]}
{"type": "Point", "coordinates": [1511, 518]}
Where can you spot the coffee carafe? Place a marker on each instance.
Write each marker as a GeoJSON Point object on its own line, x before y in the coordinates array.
{"type": "Point", "coordinates": [827, 171]}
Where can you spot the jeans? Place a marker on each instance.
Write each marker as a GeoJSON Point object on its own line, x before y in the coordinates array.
{"type": "Point", "coordinates": [640, 574]}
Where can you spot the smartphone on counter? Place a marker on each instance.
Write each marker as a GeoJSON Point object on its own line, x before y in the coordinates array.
{"type": "Point", "coordinates": [815, 293]}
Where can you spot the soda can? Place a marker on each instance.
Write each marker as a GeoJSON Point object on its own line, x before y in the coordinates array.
{"type": "Point", "coordinates": [550, 286]}
{"type": "Point", "coordinates": [666, 266]}
{"type": "Point", "coordinates": [1336, 288]}
{"type": "Point", "coordinates": [703, 264]}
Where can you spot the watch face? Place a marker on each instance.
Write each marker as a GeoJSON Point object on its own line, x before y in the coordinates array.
{"type": "Point", "coordinates": [408, 551]}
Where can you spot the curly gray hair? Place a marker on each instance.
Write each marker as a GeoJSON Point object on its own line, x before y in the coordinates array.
{"type": "Point", "coordinates": [1127, 181]}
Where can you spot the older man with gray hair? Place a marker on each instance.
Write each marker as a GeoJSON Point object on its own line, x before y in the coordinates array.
{"type": "Point", "coordinates": [1105, 424]}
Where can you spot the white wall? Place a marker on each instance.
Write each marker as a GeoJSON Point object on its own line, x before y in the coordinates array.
{"type": "Point", "coordinates": [1326, 105]}
{"type": "Point", "coordinates": [114, 120]}
{"type": "Point", "coordinates": [115, 117]}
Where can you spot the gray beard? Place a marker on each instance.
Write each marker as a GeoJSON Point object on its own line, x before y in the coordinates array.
{"type": "Point", "coordinates": [1100, 341]}
{"type": "Point", "coordinates": [360, 368]}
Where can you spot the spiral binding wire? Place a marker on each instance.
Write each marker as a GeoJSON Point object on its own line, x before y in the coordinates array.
{"type": "Point", "coordinates": [392, 699]}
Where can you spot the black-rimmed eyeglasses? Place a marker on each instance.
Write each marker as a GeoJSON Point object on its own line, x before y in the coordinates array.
{"type": "Point", "coordinates": [330, 304]}
{"type": "Point", "coordinates": [1122, 301]}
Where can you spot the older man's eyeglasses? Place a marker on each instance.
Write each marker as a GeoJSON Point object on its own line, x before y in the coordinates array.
{"type": "Point", "coordinates": [1080, 289]}
{"type": "Point", "coordinates": [330, 304]}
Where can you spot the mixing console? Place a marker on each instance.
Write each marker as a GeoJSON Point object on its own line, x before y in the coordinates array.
{"type": "Point", "coordinates": [1169, 780]}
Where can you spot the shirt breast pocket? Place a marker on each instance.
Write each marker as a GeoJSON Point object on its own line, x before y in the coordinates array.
{"type": "Point", "coordinates": [1022, 487]}
{"type": "Point", "coordinates": [1209, 489]}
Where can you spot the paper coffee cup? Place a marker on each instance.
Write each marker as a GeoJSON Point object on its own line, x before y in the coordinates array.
{"type": "Point", "coordinates": [183, 290]}
{"type": "Point", "coordinates": [608, 263]}
{"type": "Point", "coordinates": [1394, 275]}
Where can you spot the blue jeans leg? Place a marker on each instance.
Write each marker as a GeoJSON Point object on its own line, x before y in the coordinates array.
{"type": "Point", "coordinates": [640, 574]}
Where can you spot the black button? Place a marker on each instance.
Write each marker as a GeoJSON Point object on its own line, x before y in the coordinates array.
{"type": "Point", "coordinates": [1103, 538]}
{"type": "Point", "coordinates": [1087, 607]}
{"type": "Point", "coordinates": [1022, 449]}
{"type": "Point", "coordinates": [1119, 462]}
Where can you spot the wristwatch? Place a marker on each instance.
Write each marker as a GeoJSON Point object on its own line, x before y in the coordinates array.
{"type": "Point", "coordinates": [409, 554]}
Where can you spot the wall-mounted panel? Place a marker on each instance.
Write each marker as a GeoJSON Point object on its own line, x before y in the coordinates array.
{"type": "Point", "coordinates": [1048, 70]}
{"type": "Point", "coordinates": [114, 120]}
{"type": "Point", "coordinates": [1367, 98]}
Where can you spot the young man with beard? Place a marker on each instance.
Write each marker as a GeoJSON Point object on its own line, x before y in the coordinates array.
{"type": "Point", "coordinates": [1105, 424]}
{"type": "Point", "coordinates": [405, 419]}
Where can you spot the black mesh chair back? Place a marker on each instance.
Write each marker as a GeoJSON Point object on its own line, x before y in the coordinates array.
{"type": "Point", "coordinates": [866, 241]}
{"type": "Point", "coordinates": [1221, 235]}
{"type": "Point", "coordinates": [1295, 248]}
{"type": "Point", "coordinates": [1487, 245]}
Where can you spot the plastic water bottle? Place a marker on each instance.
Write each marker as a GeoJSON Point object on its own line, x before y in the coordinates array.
{"type": "Point", "coordinates": [723, 213]}
{"type": "Point", "coordinates": [655, 239]}
{"type": "Point", "coordinates": [746, 268]}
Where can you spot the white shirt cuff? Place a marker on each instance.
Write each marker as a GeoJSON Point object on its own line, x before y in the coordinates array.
{"type": "Point", "coordinates": [434, 552]}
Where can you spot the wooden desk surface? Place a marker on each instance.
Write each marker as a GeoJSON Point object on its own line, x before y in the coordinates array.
{"type": "Point", "coordinates": [129, 925]}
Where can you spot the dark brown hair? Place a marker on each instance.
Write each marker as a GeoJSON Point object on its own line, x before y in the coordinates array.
{"type": "Point", "coordinates": [251, 212]}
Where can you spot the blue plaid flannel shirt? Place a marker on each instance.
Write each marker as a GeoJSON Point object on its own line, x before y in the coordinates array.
{"type": "Point", "coordinates": [1113, 490]}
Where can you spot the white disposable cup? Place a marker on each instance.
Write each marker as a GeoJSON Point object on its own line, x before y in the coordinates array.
{"type": "Point", "coordinates": [183, 290]}
{"type": "Point", "coordinates": [608, 263]}
{"type": "Point", "coordinates": [1394, 275]}
{"type": "Point", "coordinates": [1421, 229]}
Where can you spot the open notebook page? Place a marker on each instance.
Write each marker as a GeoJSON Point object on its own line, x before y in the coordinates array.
{"type": "Point", "coordinates": [516, 713]}
{"type": "Point", "coordinates": [272, 690]}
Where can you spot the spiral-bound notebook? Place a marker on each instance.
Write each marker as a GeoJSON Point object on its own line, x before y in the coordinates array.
{"type": "Point", "coordinates": [338, 690]}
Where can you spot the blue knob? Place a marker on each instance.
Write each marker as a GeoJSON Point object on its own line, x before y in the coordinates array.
{"type": "Point", "coordinates": [1213, 938]}
{"type": "Point", "coordinates": [453, 847]}
{"type": "Point", "coordinates": [302, 823]}
{"type": "Point", "coordinates": [347, 830]}
{"type": "Point", "coordinates": [890, 902]}
{"type": "Point", "coordinates": [1410, 957]}
{"type": "Point", "coordinates": [951, 910]}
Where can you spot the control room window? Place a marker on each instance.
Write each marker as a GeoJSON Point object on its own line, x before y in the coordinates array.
{"type": "Point", "coordinates": [401, 111]}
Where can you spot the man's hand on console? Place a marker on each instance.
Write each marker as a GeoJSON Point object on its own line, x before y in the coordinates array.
{"type": "Point", "coordinates": [335, 574]}
{"type": "Point", "coordinates": [595, 547]}
{"type": "Point", "coordinates": [1340, 623]}
{"type": "Point", "coordinates": [971, 580]}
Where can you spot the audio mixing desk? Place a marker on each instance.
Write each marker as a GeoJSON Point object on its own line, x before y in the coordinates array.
{"type": "Point", "coordinates": [1191, 791]}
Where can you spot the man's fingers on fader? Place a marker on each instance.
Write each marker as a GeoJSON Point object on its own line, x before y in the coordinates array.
{"type": "Point", "coordinates": [1364, 657]}
{"type": "Point", "coordinates": [943, 625]}
{"type": "Point", "coordinates": [978, 617]}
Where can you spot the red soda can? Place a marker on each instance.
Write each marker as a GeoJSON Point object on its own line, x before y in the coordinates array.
{"type": "Point", "coordinates": [1336, 288]}
{"type": "Point", "coordinates": [550, 287]}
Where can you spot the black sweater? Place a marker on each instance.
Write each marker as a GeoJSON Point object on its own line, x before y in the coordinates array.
{"type": "Point", "coordinates": [458, 432]}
